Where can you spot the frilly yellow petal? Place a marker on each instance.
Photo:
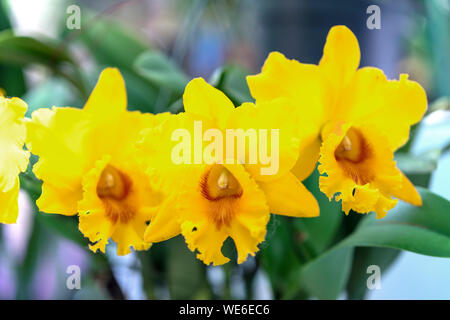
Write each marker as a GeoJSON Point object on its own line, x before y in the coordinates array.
{"type": "Point", "coordinates": [98, 226]}
{"type": "Point", "coordinates": [126, 237]}
{"type": "Point", "coordinates": [204, 235]}
{"type": "Point", "coordinates": [93, 222]}
{"type": "Point", "coordinates": [90, 198]}
{"type": "Point", "coordinates": [379, 169]}
{"type": "Point", "coordinates": [245, 240]}
{"type": "Point", "coordinates": [208, 242]}
{"type": "Point", "coordinates": [364, 199]}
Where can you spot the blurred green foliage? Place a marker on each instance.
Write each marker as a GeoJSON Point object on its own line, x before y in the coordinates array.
{"type": "Point", "coordinates": [319, 257]}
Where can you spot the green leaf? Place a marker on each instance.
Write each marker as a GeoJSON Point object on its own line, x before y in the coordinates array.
{"type": "Point", "coordinates": [424, 230]}
{"type": "Point", "coordinates": [326, 276]}
{"type": "Point", "coordinates": [158, 69]}
{"type": "Point", "coordinates": [12, 79]}
{"type": "Point", "coordinates": [176, 107]}
{"type": "Point", "coordinates": [51, 92]}
{"type": "Point", "coordinates": [442, 103]}
{"type": "Point", "coordinates": [278, 255]}
{"type": "Point", "coordinates": [154, 269]}
{"type": "Point", "coordinates": [424, 163]}
{"type": "Point", "coordinates": [299, 240]}
{"type": "Point", "coordinates": [232, 81]}
{"type": "Point", "coordinates": [114, 46]}
{"type": "Point", "coordinates": [26, 270]}
{"type": "Point", "coordinates": [64, 226]}
{"type": "Point", "coordinates": [141, 95]}
{"type": "Point", "coordinates": [419, 168]}
{"type": "Point", "coordinates": [321, 231]}
{"type": "Point", "coordinates": [363, 258]}
{"type": "Point", "coordinates": [22, 51]}
{"type": "Point", "coordinates": [186, 274]}
{"type": "Point", "coordinates": [5, 22]}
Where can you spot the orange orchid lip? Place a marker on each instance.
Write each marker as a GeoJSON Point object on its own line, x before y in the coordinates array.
{"type": "Point", "coordinates": [114, 187]}
{"type": "Point", "coordinates": [221, 189]}
{"type": "Point", "coordinates": [219, 183]}
{"type": "Point", "coordinates": [351, 154]}
{"type": "Point", "coordinates": [113, 184]}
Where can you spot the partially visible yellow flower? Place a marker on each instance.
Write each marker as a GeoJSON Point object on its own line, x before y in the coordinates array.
{"type": "Point", "coordinates": [13, 159]}
{"type": "Point", "coordinates": [211, 202]}
{"type": "Point", "coordinates": [357, 119]}
{"type": "Point", "coordinates": [88, 165]}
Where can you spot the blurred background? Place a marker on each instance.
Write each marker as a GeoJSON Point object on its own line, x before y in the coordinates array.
{"type": "Point", "coordinates": [159, 45]}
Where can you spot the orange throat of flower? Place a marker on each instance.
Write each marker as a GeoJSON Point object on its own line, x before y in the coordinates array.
{"type": "Point", "coordinates": [223, 191]}
{"type": "Point", "coordinates": [353, 154]}
{"type": "Point", "coordinates": [114, 188]}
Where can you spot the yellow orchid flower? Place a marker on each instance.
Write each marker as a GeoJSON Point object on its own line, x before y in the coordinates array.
{"type": "Point", "coordinates": [229, 195]}
{"type": "Point", "coordinates": [355, 120]}
{"type": "Point", "coordinates": [88, 165]}
{"type": "Point", "coordinates": [13, 159]}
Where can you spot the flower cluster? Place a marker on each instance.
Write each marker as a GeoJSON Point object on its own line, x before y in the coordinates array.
{"type": "Point", "coordinates": [115, 169]}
